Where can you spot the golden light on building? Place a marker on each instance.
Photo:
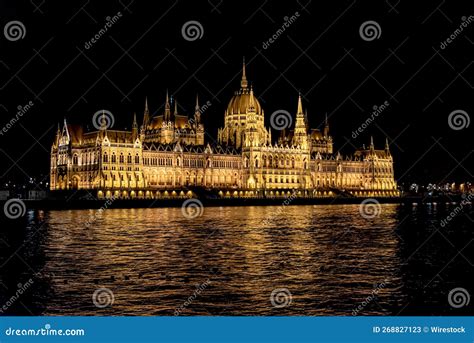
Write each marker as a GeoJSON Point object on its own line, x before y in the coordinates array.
{"type": "Point", "coordinates": [167, 156]}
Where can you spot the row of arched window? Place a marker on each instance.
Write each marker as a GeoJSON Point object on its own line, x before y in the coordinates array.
{"type": "Point", "coordinates": [113, 158]}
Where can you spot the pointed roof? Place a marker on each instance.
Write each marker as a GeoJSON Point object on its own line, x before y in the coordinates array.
{"type": "Point", "coordinates": [134, 125]}
{"type": "Point", "coordinates": [146, 114]}
{"type": "Point", "coordinates": [197, 103]}
{"type": "Point", "coordinates": [300, 104]}
{"type": "Point", "coordinates": [167, 100]}
{"type": "Point", "coordinates": [243, 82]}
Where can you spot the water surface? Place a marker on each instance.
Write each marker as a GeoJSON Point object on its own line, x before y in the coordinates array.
{"type": "Point", "coordinates": [317, 260]}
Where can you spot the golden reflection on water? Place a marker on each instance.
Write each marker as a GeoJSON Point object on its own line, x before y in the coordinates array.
{"type": "Point", "coordinates": [328, 257]}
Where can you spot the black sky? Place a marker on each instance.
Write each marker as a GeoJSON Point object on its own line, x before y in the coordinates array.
{"type": "Point", "coordinates": [321, 54]}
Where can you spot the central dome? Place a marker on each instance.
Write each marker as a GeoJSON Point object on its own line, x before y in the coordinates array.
{"type": "Point", "coordinates": [239, 103]}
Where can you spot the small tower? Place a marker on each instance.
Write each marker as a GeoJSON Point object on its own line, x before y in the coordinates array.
{"type": "Point", "coordinates": [326, 126]}
{"type": "Point", "coordinates": [167, 117]}
{"type": "Point", "coordinates": [301, 133]}
{"type": "Point", "coordinates": [146, 116]}
{"type": "Point", "coordinates": [134, 128]}
{"type": "Point", "coordinates": [197, 112]}
{"type": "Point", "coordinates": [387, 148]}
{"type": "Point", "coordinates": [243, 82]}
{"type": "Point", "coordinates": [175, 112]}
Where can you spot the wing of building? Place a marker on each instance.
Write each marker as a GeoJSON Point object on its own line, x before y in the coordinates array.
{"type": "Point", "coordinates": [169, 156]}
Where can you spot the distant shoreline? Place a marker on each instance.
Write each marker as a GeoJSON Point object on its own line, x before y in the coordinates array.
{"type": "Point", "coordinates": [62, 204]}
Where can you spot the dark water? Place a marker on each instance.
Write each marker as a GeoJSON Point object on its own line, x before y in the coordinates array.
{"type": "Point", "coordinates": [317, 260]}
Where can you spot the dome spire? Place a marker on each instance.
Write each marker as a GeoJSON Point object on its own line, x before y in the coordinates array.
{"type": "Point", "coordinates": [300, 104]}
{"type": "Point", "coordinates": [243, 82]}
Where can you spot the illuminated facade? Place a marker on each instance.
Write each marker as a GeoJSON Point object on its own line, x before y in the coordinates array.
{"type": "Point", "coordinates": [167, 156]}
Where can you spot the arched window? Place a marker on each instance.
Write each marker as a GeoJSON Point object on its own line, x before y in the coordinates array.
{"type": "Point", "coordinates": [106, 157]}
{"type": "Point", "coordinates": [129, 158]}
{"type": "Point", "coordinates": [137, 159]}
{"type": "Point", "coordinates": [114, 158]}
{"type": "Point", "coordinates": [121, 158]}
{"type": "Point", "coordinates": [74, 159]}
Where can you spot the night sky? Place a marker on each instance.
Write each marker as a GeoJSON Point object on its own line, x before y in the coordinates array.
{"type": "Point", "coordinates": [321, 54]}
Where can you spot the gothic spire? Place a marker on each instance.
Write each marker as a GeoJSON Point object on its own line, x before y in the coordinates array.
{"type": "Point", "coordinates": [300, 105]}
{"type": "Point", "coordinates": [326, 126]}
{"type": "Point", "coordinates": [134, 127]}
{"type": "Point", "coordinates": [146, 114]}
{"type": "Point", "coordinates": [243, 82]}
{"type": "Point", "coordinates": [167, 107]}
{"type": "Point", "coordinates": [197, 111]}
{"type": "Point", "coordinates": [387, 148]}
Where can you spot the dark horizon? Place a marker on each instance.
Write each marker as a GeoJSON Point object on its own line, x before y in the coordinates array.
{"type": "Point", "coordinates": [320, 54]}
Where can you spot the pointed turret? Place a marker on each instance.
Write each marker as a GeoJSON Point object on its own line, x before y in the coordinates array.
{"type": "Point", "coordinates": [134, 127]}
{"type": "Point", "coordinates": [372, 148]}
{"type": "Point", "coordinates": [58, 137]}
{"type": "Point", "coordinates": [300, 135]}
{"type": "Point", "coordinates": [167, 108]}
{"type": "Point", "coordinates": [243, 82]}
{"type": "Point", "coordinates": [175, 112]}
{"type": "Point", "coordinates": [197, 111]}
{"type": "Point", "coordinates": [251, 107]}
{"type": "Point", "coordinates": [300, 105]}
{"type": "Point", "coordinates": [326, 126]}
{"type": "Point", "coordinates": [146, 115]}
{"type": "Point", "coordinates": [387, 148]}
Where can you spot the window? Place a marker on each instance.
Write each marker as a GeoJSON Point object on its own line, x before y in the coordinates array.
{"type": "Point", "coordinates": [114, 158]}
{"type": "Point", "coordinates": [121, 158]}
{"type": "Point", "coordinates": [129, 158]}
{"type": "Point", "coordinates": [74, 159]}
{"type": "Point", "coordinates": [137, 159]}
{"type": "Point", "coordinates": [105, 157]}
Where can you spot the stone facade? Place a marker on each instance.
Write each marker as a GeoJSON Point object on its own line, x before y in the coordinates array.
{"type": "Point", "coordinates": [167, 156]}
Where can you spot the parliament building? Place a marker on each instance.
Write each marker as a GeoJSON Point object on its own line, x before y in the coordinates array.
{"type": "Point", "coordinates": [168, 156]}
